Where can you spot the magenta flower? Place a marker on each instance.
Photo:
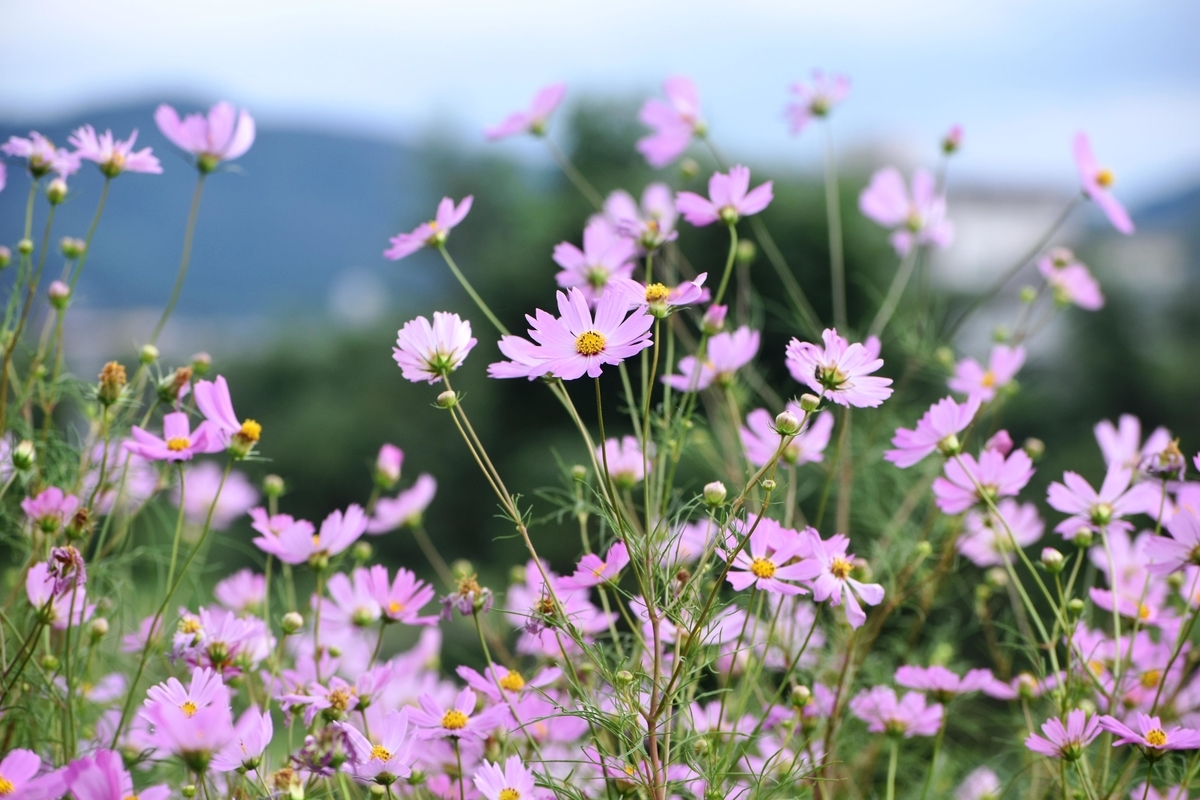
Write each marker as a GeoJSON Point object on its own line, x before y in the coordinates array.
{"type": "Point", "coordinates": [940, 682]}
{"type": "Point", "coordinates": [432, 233]}
{"type": "Point", "coordinates": [178, 442]}
{"type": "Point", "coordinates": [113, 156]}
{"type": "Point", "coordinates": [726, 354]}
{"type": "Point", "coordinates": [1150, 735]}
{"type": "Point", "coordinates": [1180, 549]}
{"type": "Point", "coordinates": [51, 509]}
{"type": "Point", "coordinates": [606, 255]}
{"type": "Point", "coordinates": [833, 582]}
{"type": "Point", "coordinates": [729, 198]}
{"type": "Point", "coordinates": [456, 722]}
{"type": "Point", "coordinates": [970, 378]}
{"type": "Point", "coordinates": [816, 99]}
{"type": "Point", "coordinates": [513, 782]}
{"type": "Point", "coordinates": [675, 122]}
{"type": "Point", "coordinates": [760, 440]}
{"type": "Point", "coordinates": [402, 599]}
{"type": "Point", "coordinates": [41, 156]}
{"type": "Point", "coordinates": [1096, 181]}
{"type": "Point", "coordinates": [388, 761]}
{"type": "Point", "coordinates": [938, 429]}
{"type": "Point", "coordinates": [430, 352]}
{"type": "Point", "coordinates": [1150, 793]}
{"type": "Point", "coordinates": [405, 509]}
{"type": "Point", "coordinates": [839, 371]}
{"type": "Point", "coordinates": [986, 540]}
{"type": "Point", "coordinates": [593, 570]}
{"type": "Point", "coordinates": [916, 219]}
{"type": "Point", "coordinates": [225, 134]}
{"type": "Point", "coordinates": [652, 224]}
{"type": "Point", "coordinates": [242, 591]}
{"type": "Point", "coordinates": [219, 639]}
{"type": "Point", "coordinates": [996, 475]}
{"type": "Point", "coordinates": [885, 713]}
{"type": "Point", "coordinates": [1122, 444]}
{"type": "Point", "coordinates": [624, 461]}
{"type": "Point", "coordinates": [1102, 510]}
{"type": "Point", "coordinates": [104, 777]}
{"type": "Point", "coordinates": [576, 344]}
{"type": "Point", "coordinates": [201, 484]}
{"type": "Point", "coordinates": [773, 561]}
{"type": "Point", "coordinates": [60, 603]}
{"type": "Point", "coordinates": [214, 402]}
{"type": "Point", "coordinates": [251, 736]}
{"type": "Point", "coordinates": [1065, 741]}
{"type": "Point", "coordinates": [1071, 283]}
{"type": "Point", "coordinates": [532, 120]}
{"type": "Point", "coordinates": [19, 777]}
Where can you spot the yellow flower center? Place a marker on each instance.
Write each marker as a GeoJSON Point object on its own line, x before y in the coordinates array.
{"type": "Point", "coordinates": [1096, 666]}
{"type": "Point", "coordinates": [656, 293]}
{"type": "Point", "coordinates": [762, 568]}
{"type": "Point", "coordinates": [250, 431]}
{"type": "Point", "coordinates": [598, 571]}
{"type": "Point", "coordinates": [395, 607]}
{"type": "Point", "coordinates": [6, 786]}
{"type": "Point", "coordinates": [840, 568]}
{"type": "Point", "coordinates": [454, 720]}
{"type": "Point", "coordinates": [189, 625]}
{"type": "Point", "coordinates": [989, 379]}
{"type": "Point", "coordinates": [339, 699]}
{"type": "Point", "coordinates": [510, 794]}
{"type": "Point", "coordinates": [1150, 678]}
{"type": "Point", "coordinates": [117, 159]}
{"type": "Point", "coordinates": [178, 443]}
{"type": "Point", "coordinates": [380, 752]}
{"type": "Point", "coordinates": [189, 708]}
{"type": "Point", "coordinates": [316, 540]}
{"type": "Point", "coordinates": [1105, 178]}
{"type": "Point", "coordinates": [590, 343]}
{"type": "Point", "coordinates": [1156, 737]}
{"type": "Point", "coordinates": [1143, 611]}
{"type": "Point", "coordinates": [433, 225]}
{"type": "Point", "coordinates": [512, 682]}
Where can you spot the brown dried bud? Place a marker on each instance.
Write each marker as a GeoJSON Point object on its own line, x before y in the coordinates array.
{"type": "Point", "coordinates": [112, 383]}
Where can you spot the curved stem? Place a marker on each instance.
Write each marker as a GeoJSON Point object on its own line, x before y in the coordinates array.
{"type": "Point", "coordinates": [87, 241]}
{"type": "Point", "coordinates": [462, 279]}
{"type": "Point", "coordinates": [573, 174]}
{"type": "Point", "coordinates": [895, 292]}
{"type": "Point", "coordinates": [188, 235]}
{"type": "Point", "coordinates": [733, 240]}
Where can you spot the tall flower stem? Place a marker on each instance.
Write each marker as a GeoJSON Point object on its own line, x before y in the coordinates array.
{"type": "Point", "coordinates": [573, 174]}
{"type": "Point", "coordinates": [893, 760]}
{"type": "Point", "coordinates": [833, 211]}
{"type": "Point", "coordinates": [462, 279]}
{"type": "Point", "coordinates": [895, 292]}
{"type": "Point", "coordinates": [733, 241]}
{"type": "Point", "coordinates": [87, 241]}
{"type": "Point", "coordinates": [185, 258]}
{"type": "Point", "coordinates": [16, 334]}
{"type": "Point", "coordinates": [937, 749]}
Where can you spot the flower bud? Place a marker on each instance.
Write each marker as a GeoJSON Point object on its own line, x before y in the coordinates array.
{"type": "Point", "coordinates": [1061, 257]}
{"type": "Point", "coordinates": [688, 168]}
{"type": "Point", "coordinates": [1052, 560]}
{"type": "Point", "coordinates": [188, 791]}
{"type": "Point", "coordinates": [362, 552]}
{"type": "Point", "coordinates": [949, 446]}
{"type": "Point", "coordinates": [112, 383]}
{"type": "Point", "coordinates": [944, 356]}
{"type": "Point", "coordinates": [387, 466]}
{"type": "Point", "coordinates": [5, 256]}
{"type": "Point", "coordinates": [148, 354]}
{"type": "Point", "coordinates": [924, 549]}
{"type": "Point", "coordinates": [23, 455]}
{"type": "Point", "coordinates": [447, 399]}
{"type": "Point", "coordinates": [714, 493]}
{"type": "Point", "coordinates": [56, 191]}
{"type": "Point", "coordinates": [1075, 607]}
{"type": "Point", "coordinates": [201, 364]}
{"type": "Point", "coordinates": [1000, 334]}
{"type": "Point", "coordinates": [171, 387]}
{"type": "Point", "coordinates": [1028, 294]}
{"type": "Point", "coordinates": [79, 524]}
{"type": "Point", "coordinates": [729, 215]}
{"type": "Point", "coordinates": [809, 403]}
{"type": "Point", "coordinates": [714, 319]}
{"type": "Point", "coordinates": [1034, 448]}
{"type": "Point", "coordinates": [516, 574]}
{"type": "Point", "coordinates": [98, 629]}
{"type": "Point", "coordinates": [801, 696]}
{"type": "Point", "coordinates": [952, 140]}
{"type": "Point", "coordinates": [71, 247]}
{"type": "Point", "coordinates": [291, 622]}
{"type": "Point", "coordinates": [1001, 442]}
{"type": "Point", "coordinates": [624, 677]}
{"type": "Point", "coordinates": [59, 294]}
{"type": "Point", "coordinates": [787, 424]}
{"type": "Point", "coordinates": [1175, 580]}
{"type": "Point", "coordinates": [273, 486]}
{"type": "Point", "coordinates": [579, 473]}
{"type": "Point", "coordinates": [767, 484]}
{"type": "Point", "coordinates": [983, 592]}
{"type": "Point", "coordinates": [747, 251]}
{"type": "Point", "coordinates": [700, 746]}
{"type": "Point", "coordinates": [49, 662]}
{"type": "Point", "coordinates": [25, 246]}
{"type": "Point", "coordinates": [996, 577]}
{"type": "Point", "coordinates": [1083, 538]}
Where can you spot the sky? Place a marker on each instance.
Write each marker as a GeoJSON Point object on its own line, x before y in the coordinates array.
{"type": "Point", "coordinates": [1021, 76]}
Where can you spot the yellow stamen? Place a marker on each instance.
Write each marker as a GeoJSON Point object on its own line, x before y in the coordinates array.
{"type": "Point", "coordinates": [454, 720]}
{"type": "Point", "coordinates": [339, 699]}
{"type": "Point", "coordinates": [656, 293]}
{"type": "Point", "coordinates": [316, 540]}
{"type": "Point", "coordinates": [380, 752]}
{"type": "Point", "coordinates": [6, 786]}
{"type": "Point", "coordinates": [1143, 611]}
{"type": "Point", "coordinates": [1105, 178]}
{"type": "Point", "coordinates": [590, 343]}
{"type": "Point", "coordinates": [1156, 737]}
{"type": "Point", "coordinates": [512, 682]}
{"type": "Point", "coordinates": [178, 443]}
{"type": "Point", "coordinates": [1150, 678]}
{"type": "Point", "coordinates": [395, 607]}
{"type": "Point", "coordinates": [1096, 666]}
{"type": "Point", "coordinates": [762, 568]}
{"type": "Point", "coordinates": [510, 794]}
{"type": "Point", "coordinates": [433, 225]}
{"type": "Point", "coordinates": [250, 431]}
{"type": "Point", "coordinates": [189, 708]}
{"type": "Point", "coordinates": [189, 625]}
{"type": "Point", "coordinates": [989, 379]}
{"type": "Point", "coordinates": [598, 571]}
{"type": "Point", "coordinates": [841, 568]}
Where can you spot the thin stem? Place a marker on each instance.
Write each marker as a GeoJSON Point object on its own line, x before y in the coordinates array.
{"type": "Point", "coordinates": [184, 259]}
{"type": "Point", "coordinates": [937, 749]}
{"type": "Point", "coordinates": [573, 174]}
{"type": "Point", "coordinates": [733, 240]}
{"type": "Point", "coordinates": [833, 211]}
{"type": "Point", "coordinates": [895, 292]}
{"type": "Point", "coordinates": [87, 241]}
{"type": "Point", "coordinates": [462, 279]}
{"type": "Point", "coordinates": [893, 760]}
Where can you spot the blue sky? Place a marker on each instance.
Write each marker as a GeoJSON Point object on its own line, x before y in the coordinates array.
{"type": "Point", "coordinates": [1022, 76]}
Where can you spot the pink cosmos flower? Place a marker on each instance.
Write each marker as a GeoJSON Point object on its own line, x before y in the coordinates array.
{"type": "Point", "coordinates": [19, 776]}
{"type": "Point", "coordinates": [3, 175]}
{"type": "Point", "coordinates": [971, 379]}
{"type": "Point", "coordinates": [1150, 793]}
{"type": "Point", "coordinates": [225, 134]}
{"type": "Point", "coordinates": [1071, 283]}
{"type": "Point", "coordinates": [103, 777]}
{"type": "Point", "coordinates": [624, 460]}
{"type": "Point", "coordinates": [427, 352]}
{"type": "Point", "coordinates": [760, 440]}
{"type": "Point", "coordinates": [606, 255]}
{"type": "Point", "coordinates": [660, 300]}
{"type": "Point", "coordinates": [62, 603]}
{"type": "Point", "coordinates": [201, 484]}
{"type": "Point", "coordinates": [593, 570]}
{"type": "Point", "coordinates": [773, 561]}
{"type": "Point", "coordinates": [998, 476]}
{"type": "Point", "coordinates": [405, 509]}
{"type": "Point", "coordinates": [205, 689]}
{"type": "Point", "coordinates": [981, 784]}
{"type": "Point", "coordinates": [192, 736]}
{"type": "Point", "coordinates": [1150, 735]}
{"type": "Point", "coordinates": [532, 120]}
{"type": "Point", "coordinates": [218, 639]}
{"type": "Point", "coordinates": [1180, 549]}
{"type": "Point", "coordinates": [1099, 511]}
{"type": "Point", "coordinates": [936, 430]}
{"type": "Point", "coordinates": [402, 599]}
{"type": "Point", "coordinates": [293, 542]}
{"type": "Point", "coordinates": [432, 233]}
{"type": "Point", "coordinates": [1065, 741]}
{"type": "Point", "coordinates": [986, 540]}
{"type": "Point", "coordinates": [941, 683]}
{"type": "Point", "coordinates": [251, 736]}
{"type": "Point", "coordinates": [917, 219]}
{"type": "Point", "coordinates": [496, 682]}
{"type": "Point", "coordinates": [51, 509]}
{"type": "Point", "coordinates": [689, 543]}
{"type": "Point", "coordinates": [215, 403]}
{"type": "Point", "coordinates": [1096, 182]}
{"type": "Point", "coordinates": [729, 198]}
{"type": "Point", "coordinates": [816, 99]}
{"type": "Point", "coordinates": [41, 156]}
{"type": "Point", "coordinates": [242, 591]}
{"type": "Point", "coordinates": [726, 354]}
{"type": "Point", "coordinates": [459, 721]}
{"type": "Point", "coordinates": [354, 604]}
{"type": "Point", "coordinates": [839, 371]}
{"type": "Point", "coordinates": [833, 582]}
{"type": "Point", "coordinates": [513, 782]}
{"type": "Point", "coordinates": [178, 442]}
{"type": "Point", "coordinates": [674, 122]}
{"type": "Point", "coordinates": [113, 156]}
{"type": "Point", "coordinates": [1023, 685]}
{"type": "Point", "coordinates": [387, 465]}
{"type": "Point", "coordinates": [389, 760]}
{"type": "Point", "coordinates": [652, 224]}
{"type": "Point", "coordinates": [885, 713]}
{"type": "Point", "coordinates": [576, 344]}
{"type": "Point", "coordinates": [1122, 444]}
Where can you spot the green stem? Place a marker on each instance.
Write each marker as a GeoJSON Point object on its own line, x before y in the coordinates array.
{"type": "Point", "coordinates": [573, 174]}
{"type": "Point", "coordinates": [895, 292]}
{"type": "Point", "coordinates": [184, 259]}
{"type": "Point", "coordinates": [733, 240]}
{"type": "Point", "coordinates": [462, 279]}
{"type": "Point", "coordinates": [893, 760]}
{"type": "Point", "coordinates": [87, 241]}
{"type": "Point", "coordinates": [837, 262]}
{"type": "Point", "coordinates": [937, 749]}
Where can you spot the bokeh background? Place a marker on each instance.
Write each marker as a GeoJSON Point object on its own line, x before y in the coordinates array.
{"type": "Point", "coordinates": [370, 111]}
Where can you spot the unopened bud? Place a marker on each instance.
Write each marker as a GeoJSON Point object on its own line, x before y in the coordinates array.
{"type": "Point", "coordinates": [362, 552]}
{"type": "Point", "coordinates": [25, 246]}
{"type": "Point", "coordinates": [273, 486]}
{"type": "Point", "coordinates": [1028, 294]}
{"type": "Point", "coordinates": [188, 791]}
{"type": "Point", "coordinates": [59, 294]}
{"type": "Point", "coordinates": [98, 629]}
{"type": "Point", "coordinates": [943, 653]}
{"type": "Point", "coordinates": [746, 252]}
{"type": "Point", "coordinates": [801, 696]}
{"type": "Point", "coordinates": [996, 577]}
{"type": "Point", "coordinates": [624, 677]}
{"type": "Point", "coordinates": [688, 168]}
{"type": "Point", "coordinates": [767, 484]}
{"type": "Point", "coordinates": [148, 354]}
{"type": "Point", "coordinates": [112, 383]}
{"type": "Point", "coordinates": [787, 423]}
{"type": "Point", "coordinates": [516, 574]}
{"type": "Point", "coordinates": [714, 493]}
{"type": "Point", "coordinates": [23, 455]}
{"type": "Point", "coordinates": [71, 247]}
{"type": "Point", "coordinates": [952, 140]}
{"type": "Point", "coordinates": [49, 662]}
{"type": "Point", "coordinates": [1052, 560]}
{"type": "Point", "coordinates": [1061, 256]}
{"type": "Point", "coordinates": [447, 399]}
{"type": "Point", "coordinates": [944, 356]}
{"type": "Point", "coordinates": [809, 403]}
{"type": "Point", "coordinates": [387, 466]}
{"type": "Point", "coordinates": [1034, 448]}
{"type": "Point", "coordinates": [924, 549]}
{"type": "Point", "coordinates": [714, 319]}
{"type": "Point", "coordinates": [1000, 333]}
{"type": "Point", "coordinates": [201, 364]}
{"type": "Point", "coordinates": [579, 473]}
{"type": "Point", "coordinates": [1075, 607]}
{"type": "Point", "coordinates": [983, 592]}
{"type": "Point", "coordinates": [1175, 580]}
{"type": "Point", "coordinates": [79, 523]}
{"type": "Point", "coordinates": [700, 746]}
{"type": "Point", "coordinates": [171, 387]}
{"type": "Point", "coordinates": [56, 191]}
{"type": "Point", "coordinates": [291, 622]}
{"type": "Point", "coordinates": [1083, 538]}
{"type": "Point", "coordinates": [5, 256]}
{"type": "Point", "coordinates": [949, 446]}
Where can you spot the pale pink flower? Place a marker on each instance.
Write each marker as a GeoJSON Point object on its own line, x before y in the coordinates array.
{"type": "Point", "coordinates": [833, 582]}
{"type": "Point", "coordinates": [1065, 741]}
{"type": "Point", "coordinates": [839, 371]}
{"type": "Point", "coordinates": [941, 683]}
{"type": "Point", "coordinates": [1071, 283]}
{"type": "Point", "coordinates": [103, 777]}
{"type": "Point", "coordinates": [216, 404]}
{"type": "Point", "coordinates": [1180, 549]}
{"type": "Point", "coordinates": [387, 465]}
{"type": "Point", "coordinates": [1102, 510]}
{"type": "Point", "coordinates": [406, 508]}
{"type": "Point", "coordinates": [624, 460]}
{"type": "Point", "coordinates": [988, 541]}
{"type": "Point", "coordinates": [293, 541]}
{"type": "Point", "coordinates": [661, 300]}
{"type": "Point", "coordinates": [432, 233]}
{"type": "Point", "coordinates": [675, 122]}
{"type": "Point", "coordinates": [251, 736]}
{"type": "Point", "coordinates": [1096, 181]}
{"type": "Point", "coordinates": [772, 561]}
{"type": "Point", "coordinates": [981, 784]}
{"type": "Point", "coordinates": [996, 475]}
{"type": "Point", "coordinates": [729, 199]}
{"type": "Point", "coordinates": [242, 591]}
{"type": "Point", "coordinates": [41, 156]}
{"type": "Point", "coordinates": [427, 352]}
{"type": "Point", "coordinates": [816, 99]}
{"type": "Point", "coordinates": [760, 440]}
{"type": "Point", "coordinates": [201, 484]}
{"type": "Point", "coordinates": [1121, 444]}
{"type": "Point", "coordinates": [593, 570]}
{"type": "Point", "coordinates": [459, 721]}
{"type": "Point", "coordinates": [389, 760]}
{"type": "Point", "coordinates": [726, 353]}
{"type": "Point", "coordinates": [19, 776]}
{"type": "Point", "coordinates": [403, 598]}
{"type": "Point", "coordinates": [938, 429]}
{"type": "Point", "coordinates": [51, 509]}
{"type": "Point", "coordinates": [113, 156]}
{"type": "Point", "coordinates": [885, 713]}
{"type": "Point", "coordinates": [1143, 792]}
{"type": "Point", "coordinates": [178, 442]}
{"type": "Point", "coordinates": [916, 219]}
{"type": "Point", "coordinates": [223, 135]}
{"type": "Point", "coordinates": [534, 119]}
{"type": "Point", "coordinates": [970, 378]}
{"type": "Point", "coordinates": [650, 225]}
{"type": "Point", "coordinates": [513, 782]}
{"type": "Point", "coordinates": [1151, 735]}
{"type": "Point", "coordinates": [606, 255]}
